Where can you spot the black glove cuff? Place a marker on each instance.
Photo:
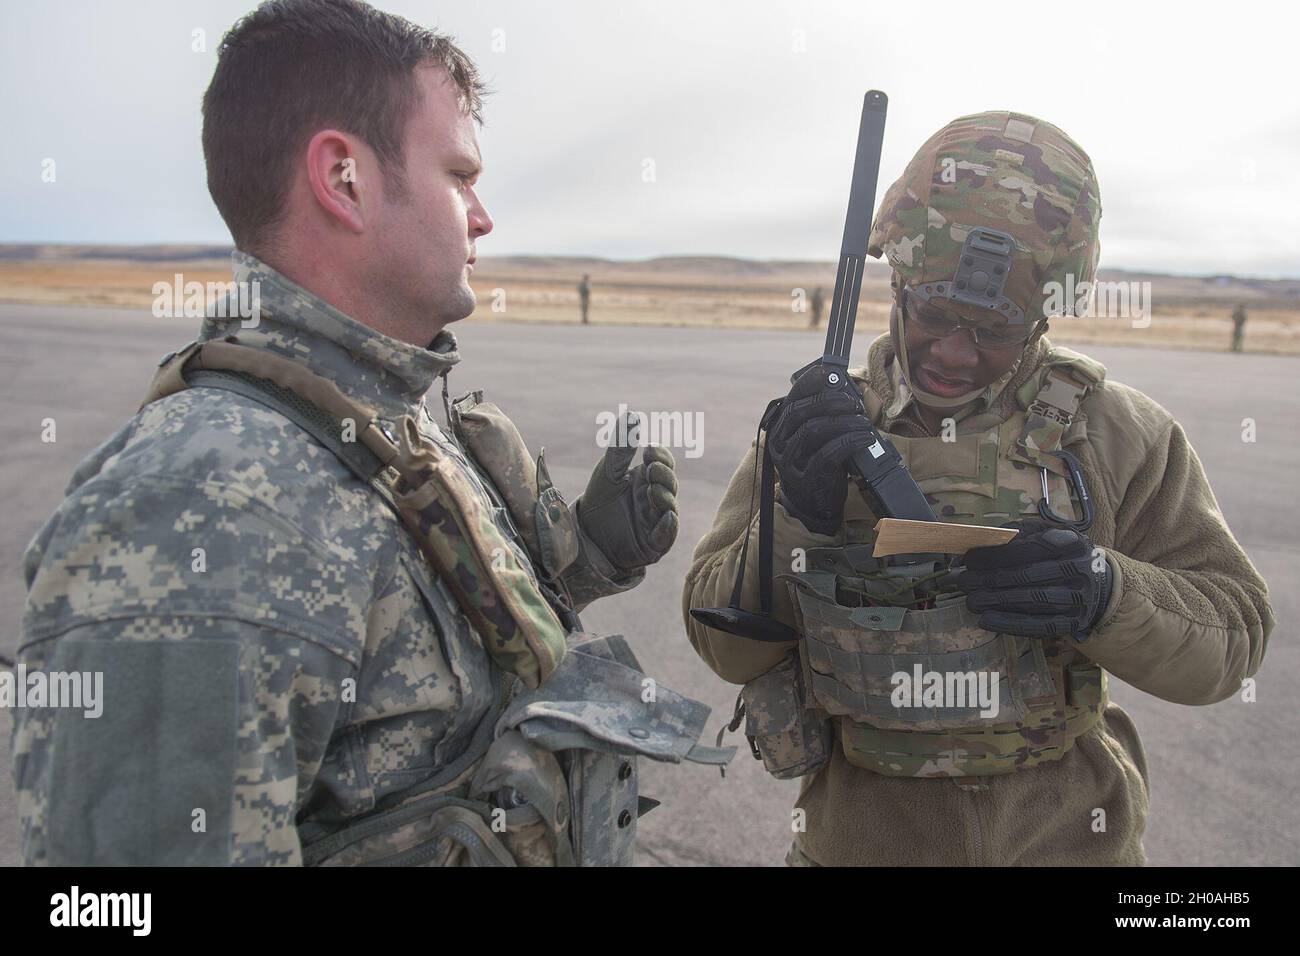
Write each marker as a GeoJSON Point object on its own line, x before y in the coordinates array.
{"type": "Point", "coordinates": [1107, 586]}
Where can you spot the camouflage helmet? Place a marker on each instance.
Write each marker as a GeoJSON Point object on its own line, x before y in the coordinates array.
{"type": "Point", "coordinates": [1002, 171]}
{"type": "Point", "coordinates": [992, 211]}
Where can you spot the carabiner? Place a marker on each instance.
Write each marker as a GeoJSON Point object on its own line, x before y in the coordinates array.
{"type": "Point", "coordinates": [1076, 481]}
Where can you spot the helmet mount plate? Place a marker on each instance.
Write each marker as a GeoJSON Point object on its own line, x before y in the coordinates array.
{"type": "Point", "coordinates": [982, 273]}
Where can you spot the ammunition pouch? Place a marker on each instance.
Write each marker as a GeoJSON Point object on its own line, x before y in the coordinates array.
{"type": "Point", "coordinates": [855, 653]}
{"type": "Point", "coordinates": [913, 692]}
{"type": "Point", "coordinates": [543, 518]}
{"type": "Point", "coordinates": [515, 811]}
{"type": "Point", "coordinates": [785, 733]}
{"type": "Point", "coordinates": [557, 787]}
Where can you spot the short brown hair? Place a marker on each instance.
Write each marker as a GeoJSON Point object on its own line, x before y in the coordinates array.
{"type": "Point", "coordinates": [293, 67]}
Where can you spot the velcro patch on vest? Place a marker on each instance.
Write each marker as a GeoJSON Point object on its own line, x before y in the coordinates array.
{"type": "Point", "coordinates": [931, 459]}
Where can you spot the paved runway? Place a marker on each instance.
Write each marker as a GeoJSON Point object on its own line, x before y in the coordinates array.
{"type": "Point", "coordinates": [1222, 776]}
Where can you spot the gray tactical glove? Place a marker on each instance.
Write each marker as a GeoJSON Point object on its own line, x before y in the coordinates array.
{"type": "Point", "coordinates": [631, 515]}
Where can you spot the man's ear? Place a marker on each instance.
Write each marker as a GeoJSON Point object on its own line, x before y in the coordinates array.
{"type": "Point", "coordinates": [334, 174]}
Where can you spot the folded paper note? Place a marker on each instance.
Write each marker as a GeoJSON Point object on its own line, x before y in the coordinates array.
{"type": "Point", "coordinates": [900, 536]}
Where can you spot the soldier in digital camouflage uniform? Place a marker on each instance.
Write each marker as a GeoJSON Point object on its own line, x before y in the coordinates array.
{"type": "Point", "coordinates": [1154, 590]}
{"type": "Point", "coordinates": [288, 677]}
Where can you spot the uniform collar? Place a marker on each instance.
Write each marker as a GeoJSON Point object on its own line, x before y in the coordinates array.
{"type": "Point", "coordinates": [389, 375]}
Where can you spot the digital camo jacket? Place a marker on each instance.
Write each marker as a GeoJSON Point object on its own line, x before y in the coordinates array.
{"type": "Point", "coordinates": [277, 655]}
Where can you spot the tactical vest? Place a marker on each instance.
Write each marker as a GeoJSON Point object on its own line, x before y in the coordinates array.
{"type": "Point", "coordinates": [859, 628]}
{"type": "Point", "coordinates": [550, 775]}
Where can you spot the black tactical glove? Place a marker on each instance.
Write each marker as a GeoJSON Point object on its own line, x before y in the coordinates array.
{"type": "Point", "coordinates": [814, 435]}
{"type": "Point", "coordinates": [1047, 581]}
{"type": "Point", "coordinates": [631, 515]}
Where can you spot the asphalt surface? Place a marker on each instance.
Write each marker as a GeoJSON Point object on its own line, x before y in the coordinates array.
{"type": "Point", "coordinates": [1223, 777]}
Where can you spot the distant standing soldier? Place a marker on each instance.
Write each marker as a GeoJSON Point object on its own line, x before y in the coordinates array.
{"type": "Point", "coordinates": [1238, 326]}
{"type": "Point", "coordinates": [584, 296]}
{"type": "Point", "coordinates": [818, 300]}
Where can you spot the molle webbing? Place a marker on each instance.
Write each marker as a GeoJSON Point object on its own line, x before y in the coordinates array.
{"type": "Point", "coordinates": [430, 494]}
{"type": "Point", "coordinates": [1045, 696]}
{"type": "Point", "coordinates": [1048, 693]}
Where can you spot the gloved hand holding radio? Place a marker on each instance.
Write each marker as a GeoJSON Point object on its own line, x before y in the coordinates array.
{"type": "Point", "coordinates": [631, 513]}
{"type": "Point", "coordinates": [816, 432]}
{"type": "Point", "coordinates": [1047, 581]}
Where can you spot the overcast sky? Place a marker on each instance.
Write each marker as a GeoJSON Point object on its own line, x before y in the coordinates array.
{"type": "Point", "coordinates": [748, 110]}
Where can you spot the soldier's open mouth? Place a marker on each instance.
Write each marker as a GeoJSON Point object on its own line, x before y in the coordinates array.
{"type": "Point", "coordinates": [941, 385]}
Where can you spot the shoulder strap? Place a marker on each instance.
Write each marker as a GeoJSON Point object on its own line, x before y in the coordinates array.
{"type": "Point", "coordinates": [1051, 399]}
{"type": "Point", "coordinates": [312, 419]}
{"type": "Point", "coordinates": [320, 408]}
{"type": "Point", "coordinates": [1084, 368]}
{"type": "Point", "coordinates": [1064, 378]}
{"type": "Point", "coordinates": [314, 404]}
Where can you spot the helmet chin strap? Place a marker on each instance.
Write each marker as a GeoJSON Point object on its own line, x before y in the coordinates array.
{"type": "Point", "coordinates": [899, 338]}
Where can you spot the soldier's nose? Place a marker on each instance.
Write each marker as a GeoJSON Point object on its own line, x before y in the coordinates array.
{"type": "Point", "coordinates": [956, 349]}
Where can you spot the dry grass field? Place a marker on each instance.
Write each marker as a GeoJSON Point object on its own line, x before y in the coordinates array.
{"type": "Point", "coordinates": [1190, 313]}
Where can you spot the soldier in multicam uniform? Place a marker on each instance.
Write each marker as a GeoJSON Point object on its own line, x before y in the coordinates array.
{"type": "Point", "coordinates": [331, 633]}
{"type": "Point", "coordinates": [1143, 581]}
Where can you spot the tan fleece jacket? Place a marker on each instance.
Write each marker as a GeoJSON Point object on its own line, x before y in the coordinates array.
{"type": "Point", "coordinates": [1188, 619]}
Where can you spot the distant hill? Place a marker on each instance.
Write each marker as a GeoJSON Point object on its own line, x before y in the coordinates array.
{"type": "Point", "coordinates": [161, 252]}
{"type": "Point", "coordinates": [1169, 289]}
